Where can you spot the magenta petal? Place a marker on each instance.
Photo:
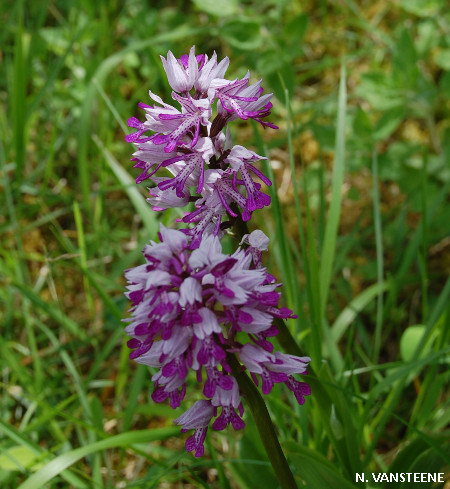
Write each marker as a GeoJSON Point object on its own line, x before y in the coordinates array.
{"type": "Point", "coordinates": [219, 424]}
{"type": "Point", "coordinates": [237, 423]}
{"type": "Point", "coordinates": [133, 343]}
{"type": "Point", "coordinates": [224, 267]}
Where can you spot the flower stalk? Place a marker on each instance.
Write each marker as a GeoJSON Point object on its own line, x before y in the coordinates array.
{"type": "Point", "coordinates": [264, 425]}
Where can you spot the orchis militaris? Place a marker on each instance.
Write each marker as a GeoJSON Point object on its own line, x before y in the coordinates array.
{"type": "Point", "coordinates": [193, 305]}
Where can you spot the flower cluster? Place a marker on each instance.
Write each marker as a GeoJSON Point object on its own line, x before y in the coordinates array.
{"type": "Point", "coordinates": [193, 307]}
{"type": "Point", "coordinates": [196, 152]}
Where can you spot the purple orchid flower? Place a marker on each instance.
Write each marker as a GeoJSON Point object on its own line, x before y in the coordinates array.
{"type": "Point", "coordinates": [193, 305]}
{"type": "Point", "coordinates": [188, 305]}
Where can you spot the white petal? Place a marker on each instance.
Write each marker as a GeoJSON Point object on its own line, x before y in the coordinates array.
{"type": "Point", "coordinates": [208, 326]}
{"type": "Point", "coordinates": [175, 240]}
{"type": "Point", "coordinates": [190, 291]}
{"type": "Point", "coordinates": [197, 416]}
{"type": "Point", "coordinates": [259, 240]}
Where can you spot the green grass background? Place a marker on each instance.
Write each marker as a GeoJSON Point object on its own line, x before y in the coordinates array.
{"type": "Point", "coordinates": [359, 228]}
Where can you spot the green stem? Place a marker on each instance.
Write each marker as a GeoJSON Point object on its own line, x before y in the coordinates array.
{"type": "Point", "coordinates": [258, 407]}
{"type": "Point", "coordinates": [264, 424]}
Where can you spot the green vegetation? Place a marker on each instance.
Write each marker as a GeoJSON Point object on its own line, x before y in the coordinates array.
{"type": "Point", "coordinates": [359, 224]}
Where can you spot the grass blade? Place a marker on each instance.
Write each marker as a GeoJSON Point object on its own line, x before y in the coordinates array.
{"type": "Point", "coordinates": [62, 462]}
{"type": "Point", "coordinates": [380, 262]}
{"type": "Point", "coordinates": [329, 244]}
{"type": "Point", "coordinates": [123, 177]}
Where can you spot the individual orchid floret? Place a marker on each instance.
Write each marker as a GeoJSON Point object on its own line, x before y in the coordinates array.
{"type": "Point", "coordinates": [160, 200]}
{"type": "Point", "coordinates": [191, 71]}
{"type": "Point", "coordinates": [208, 72]}
{"type": "Point", "coordinates": [196, 113]}
{"type": "Point", "coordinates": [271, 367]}
{"type": "Point", "coordinates": [203, 217]}
{"type": "Point", "coordinates": [230, 94]}
{"type": "Point", "coordinates": [300, 389]}
{"type": "Point", "coordinates": [255, 105]}
{"type": "Point", "coordinates": [257, 243]}
{"type": "Point", "coordinates": [221, 194]}
{"type": "Point", "coordinates": [194, 160]}
{"type": "Point", "coordinates": [226, 190]}
{"type": "Point", "coordinates": [240, 160]}
{"type": "Point", "coordinates": [191, 309]}
{"type": "Point", "coordinates": [229, 400]}
{"type": "Point", "coordinates": [260, 109]}
{"type": "Point", "coordinates": [135, 137]}
{"type": "Point", "coordinates": [182, 73]}
{"type": "Point", "coordinates": [197, 418]}
{"type": "Point", "coordinates": [149, 158]}
{"type": "Point", "coordinates": [256, 240]}
{"type": "Point", "coordinates": [152, 122]}
{"type": "Point", "coordinates": [238, 100]}
{"type": "Point", "coordinates": [209, 211]}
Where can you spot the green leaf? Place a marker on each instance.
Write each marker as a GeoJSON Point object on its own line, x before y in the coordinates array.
{"type": "Point", "coordinates": [283, 78]}
{"type": "Point", "coordinates": [410, 455]}
{"type": "Point", "coordinates": [409, 341]}
{"type": "Point", "coordinates": [362, 125]}
{"type": "Point", "coordinates": [270, 61]}
{"type": "Point", "coordinates": [325, 135]}
{"type": "Point", "coordinates": [293, 33]}
{"type": "Point", "coordinates": [428, 8]}
{"type": "Point", "coordinates": [388, 123]}
{"type": "Point", "coordinates": [442, 59]}
{"type": "Point", "coordinates": [315, 470]}
{"type": "Point", "coordinates": [405, 59]}
{"type": "Point", "coordinates": [444, 85]}
{"type": "Point", "coordinates": [58, 464]}
{"type": "Point", "coordinates": [18, 93]}
{"type": "Point", "coordinates": [18, 458]}
{"type": "Point", "coordinates": [242, 33]}
{"type": "Point", "coordinates": [392, 162]}
{"type": "Point", "coordinates": [219, 8]}
{"type": "Point", "coordinates": [428, 36]}
{"type": "Point", "coordinates": [346, 447]}
{"type": "Point", "coordinates": [251, 450]}
{"type": "Point", "coordinates": [381, 91]}
{"type": "Point", "coordinates": [428, 462]}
